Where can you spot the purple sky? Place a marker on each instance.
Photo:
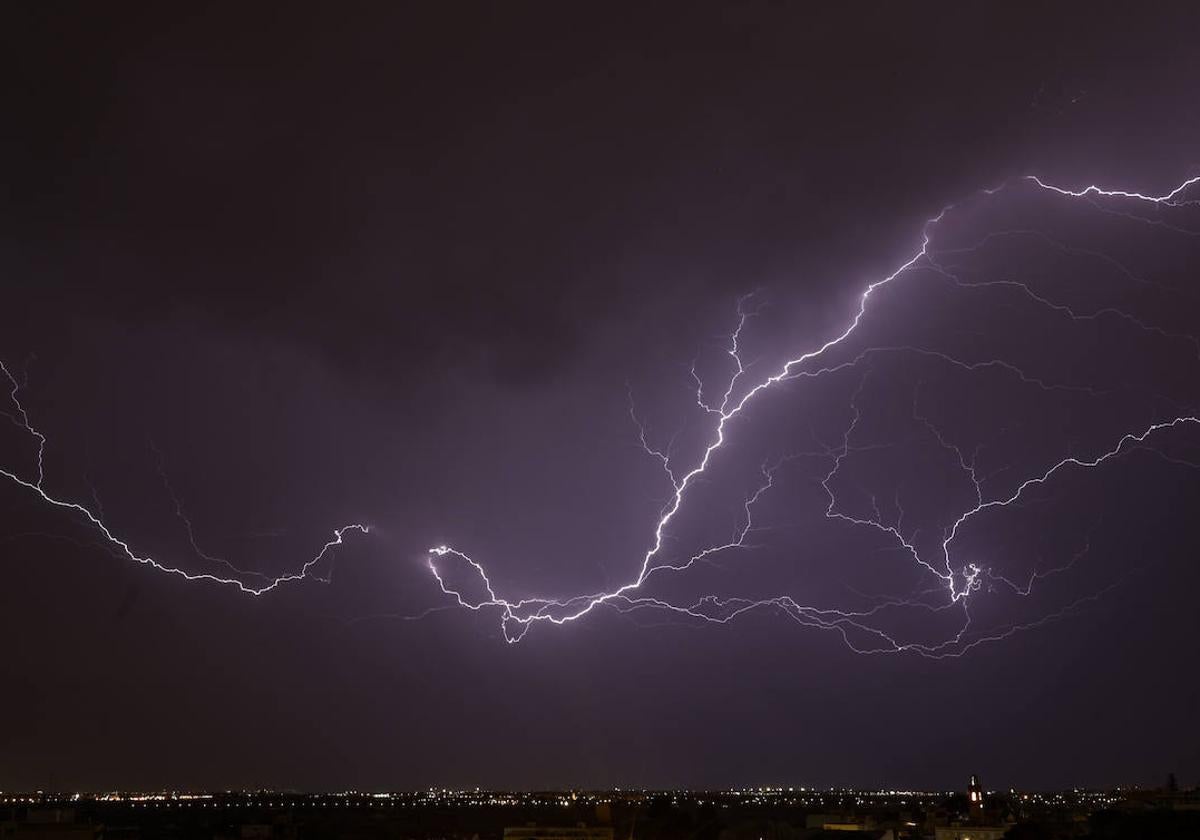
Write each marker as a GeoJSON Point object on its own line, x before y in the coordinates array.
{"type": "Point", "coordinates": [268, 274]}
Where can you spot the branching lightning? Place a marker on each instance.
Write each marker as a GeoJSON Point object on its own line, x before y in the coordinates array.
{"type": "Point", "coordinates": [952, 585]}
{"type": "Point", "coordinates": [949, 585]}
{"type": "Point", "coordinates": [95, 519]}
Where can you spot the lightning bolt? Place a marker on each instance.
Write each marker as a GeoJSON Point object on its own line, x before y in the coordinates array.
{"type": "Point", "coordinates": [951, 589]}
{"type": "Point", "coordinates": [94, 517]}
{"type": "Point", "coordinates": [950, 586]}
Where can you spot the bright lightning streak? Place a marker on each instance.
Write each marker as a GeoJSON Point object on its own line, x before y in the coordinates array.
{"type": "Point", "coordinates": [518, 616]}
{"type": "Point", "coordinates": [37, 486]}
{"type": "Point", "coordinates": [1167, 199]}
{"type": "Point", "coordinates": [725, 413]}
{"type": "Point", "coordinates": [952, 585]}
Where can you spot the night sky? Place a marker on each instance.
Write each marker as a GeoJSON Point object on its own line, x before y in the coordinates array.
{"type": "Point", "coordinates": [425, 269]}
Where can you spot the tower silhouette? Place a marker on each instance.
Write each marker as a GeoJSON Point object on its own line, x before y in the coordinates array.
{"type": "Point", "coordinates": [975, 797]}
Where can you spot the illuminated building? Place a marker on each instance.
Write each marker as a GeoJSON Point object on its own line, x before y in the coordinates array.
{"type": "Point", "coordinates": [580, 832]}
{"type": "Point", "coordinates": [970, 832]}
{"type": "Point", "coordinates": [975, 796]}
{"type": "Point", "coordinates": [840, 822]}
{"type": "Point", "coordinates": [976, 826]}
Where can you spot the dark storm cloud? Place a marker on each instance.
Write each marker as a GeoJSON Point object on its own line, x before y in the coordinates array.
{"type": "Point", "coordinates": [399, 264]}
{"type": "Point", "coordinates": [485, 184]}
